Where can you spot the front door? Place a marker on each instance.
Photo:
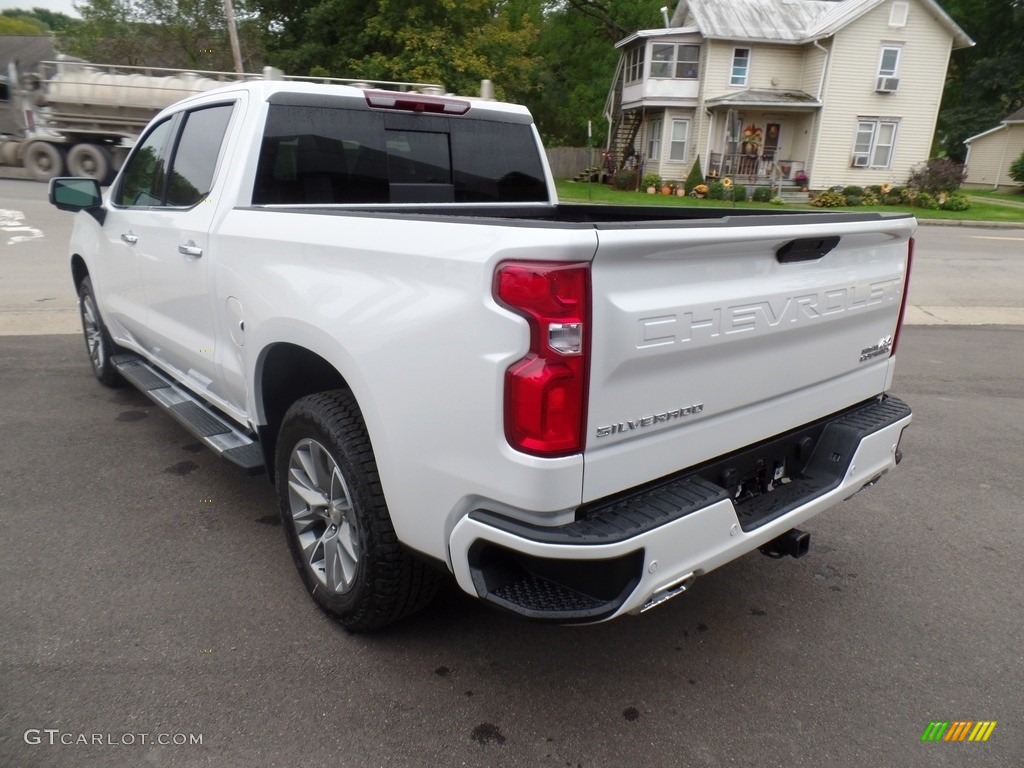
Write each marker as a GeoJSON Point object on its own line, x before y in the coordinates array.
{"type": "Point", "coordinates": [166, 210]}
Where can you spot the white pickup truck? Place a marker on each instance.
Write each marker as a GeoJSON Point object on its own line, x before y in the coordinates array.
{"type": "Point", "coordinates": [375, 297]}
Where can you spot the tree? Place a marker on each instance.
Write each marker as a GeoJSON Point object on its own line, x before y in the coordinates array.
{"type": "Point", "coordinates": [42, 18]}
{"type": "Point", "coordinates": [455, 43]}
{"type": "Point", "coordinates": [189, 34]}
{"type": "Point", "coordinates": [15, 22]}
{"type": "Point", "coordinates": [577, 62]}
{"type": "Point", "coordinates": [985, 83]}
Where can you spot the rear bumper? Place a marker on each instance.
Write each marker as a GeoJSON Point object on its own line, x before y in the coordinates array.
{"type": "Point", "coordinates": [632, 551]}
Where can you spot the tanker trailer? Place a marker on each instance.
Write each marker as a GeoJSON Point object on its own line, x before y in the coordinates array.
{"type": "Point", "coordinates": [80, 118]}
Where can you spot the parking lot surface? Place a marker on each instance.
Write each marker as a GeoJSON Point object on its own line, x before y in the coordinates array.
{"type": "Point", "coordinates": [148, 592]}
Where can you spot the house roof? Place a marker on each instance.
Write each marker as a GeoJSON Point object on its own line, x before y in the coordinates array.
{"type": "Point", "coordinates": [1004, 124]}
{"type": "Point", "coordinates": [782, 21]}
{"type": "Point", "coordinates": [765, 97]}
{"type": "Point", "coordinates": [789, 21]}
{"type": "Point", "coordinates": [666, 32]}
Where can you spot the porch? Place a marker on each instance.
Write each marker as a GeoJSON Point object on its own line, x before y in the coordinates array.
{"type": "Point", "coordinates": [762, 168]}
{"type": "Point", "coordinates": [761, 136]}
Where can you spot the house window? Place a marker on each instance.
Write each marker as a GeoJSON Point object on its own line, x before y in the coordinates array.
{"type": "Point", "coordinates": [898, 14]}
{"type": "Point", "coordinates": [634, 64]}
{"type": "Point", "coordinates": [889, 61]}
{"type": "Point", "coordinates": [740, 66]}
{"type": "Point", "coordinates": [873, 146]}
{"type": "Point", "coordinates": [888, 69]}
{"type": "Point", "coordinates": [680, 134]}
{"type": "Point", "coordinates": [678, 61]}
{"type": "Point", "coordinates": [654, 140]}
{"type": "Point", "coordinates": [688, 62]}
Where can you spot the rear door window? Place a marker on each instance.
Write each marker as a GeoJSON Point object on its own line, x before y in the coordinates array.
{"type": "Point", "coordinates": [195, 156]}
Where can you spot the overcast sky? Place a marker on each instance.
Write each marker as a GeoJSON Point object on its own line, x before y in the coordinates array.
{"type": "Point", "coordinates": [64, 6]}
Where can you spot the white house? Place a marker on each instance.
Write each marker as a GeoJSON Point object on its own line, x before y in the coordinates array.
{"type": "Point", "coordinates": [847, 91]}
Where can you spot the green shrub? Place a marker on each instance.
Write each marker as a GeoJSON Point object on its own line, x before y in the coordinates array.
{"type": "Point", "coordinates": [830, 198]}
{"type": "Point", "coordinates": [777, 201]}
{"type": "Point", "coordinates": [869, 198]}
{"type": "Point", "coordinates": [1017, 169]}
{"type": "Point", "coordinates": [875, 189]}
{"type": "Point", "coordinates": [696, 176]}
{"type": "Point", "coordinates": [762, 195]}
{"type": "Point", "coordinates": [625, 179]}
{"type": "Point", "coordinates": [739, 192]}
{"type": "Point", "coordinates": [651, 180]}
{"type": "Point", "coordinates": [717, 191]}
{"type": "Point", "coordinates": [926, 200]}
{"type": "Point", "coordinates": [891, 199]}
{"type": "Point", "coordinates": [853, 190]}
{"type": "Point", "coordinates": [957, 201]}
{"type": "Point", "coordinates": [853, 200]}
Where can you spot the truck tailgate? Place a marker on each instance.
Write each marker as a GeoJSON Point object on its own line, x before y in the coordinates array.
{"type": "Point", "coordinates": [708, 339]}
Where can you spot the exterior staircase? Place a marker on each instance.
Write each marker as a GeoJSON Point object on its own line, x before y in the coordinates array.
{"type": "Point", "coordinates": [624, 124]}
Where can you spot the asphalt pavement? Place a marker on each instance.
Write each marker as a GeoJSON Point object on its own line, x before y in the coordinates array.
{"type": "Point", "coordinates": [150, 613]}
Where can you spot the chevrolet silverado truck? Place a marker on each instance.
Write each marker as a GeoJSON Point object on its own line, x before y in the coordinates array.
{"type": "Point", "coordinates": [376, 298]}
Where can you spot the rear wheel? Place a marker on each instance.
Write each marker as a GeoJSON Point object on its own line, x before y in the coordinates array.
{"type": "Point", "coordinates": [336, 520]}
{"type": "Point", "coordinates": [97, 340]}
{"type": "Point", "coordinates": [43, 160]}
{"type": "Point", "coordinates": [90, 160]}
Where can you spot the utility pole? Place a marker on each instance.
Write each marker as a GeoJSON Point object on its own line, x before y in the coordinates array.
{"type": "Point", "coordinates": [236, 52]}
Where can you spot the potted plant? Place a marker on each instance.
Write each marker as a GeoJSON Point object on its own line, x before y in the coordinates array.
{"type": "Point", "coordinates": [801, 179]}
{"type": "Point", "coordinates": [652, 182]}
{"type": "Point", "coordinates": [666, 187]}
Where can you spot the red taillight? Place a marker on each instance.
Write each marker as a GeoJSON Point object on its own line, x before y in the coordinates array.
{"type": "Point", "coordinates": [546, 391]}
{"type": "Point", "coordinates": [906, 294]}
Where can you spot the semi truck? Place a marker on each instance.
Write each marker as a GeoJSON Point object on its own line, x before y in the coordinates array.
{"type": "Point", "coordinates": [73, 117]}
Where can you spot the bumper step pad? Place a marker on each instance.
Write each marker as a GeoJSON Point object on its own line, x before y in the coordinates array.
{"type": "Point", "coordinates": [215, 431]}
{"type": "Point", "coordinates": [818, 454]}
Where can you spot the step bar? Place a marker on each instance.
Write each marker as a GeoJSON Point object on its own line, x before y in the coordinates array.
{"type": "Point", "coordinates": [215, 431]}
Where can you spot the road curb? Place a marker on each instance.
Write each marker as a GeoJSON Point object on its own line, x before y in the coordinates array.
{"type": "Point", "coordinates": [978, 224]}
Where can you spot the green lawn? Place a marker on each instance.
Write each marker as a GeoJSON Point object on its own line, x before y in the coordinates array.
{"type": "Point", "coordinates": [1009, 197]}
{"type": "Point", "coordinates": [980, 210]}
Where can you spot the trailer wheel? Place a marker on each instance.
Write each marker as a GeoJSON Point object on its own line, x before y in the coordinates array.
{"type": "Point", "coordinates": [43, 161]}
{"type": "Point", "coordinates": [90, 160]}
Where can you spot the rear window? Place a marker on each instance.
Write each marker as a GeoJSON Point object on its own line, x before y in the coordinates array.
{"type": "Point", "coordinates": [316, 155]}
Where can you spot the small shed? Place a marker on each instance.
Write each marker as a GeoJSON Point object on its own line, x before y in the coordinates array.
{"type": "Point", "coordinates": [990, 154]}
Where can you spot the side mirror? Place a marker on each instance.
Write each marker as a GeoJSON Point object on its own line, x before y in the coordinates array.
{"type": "Point", "coordinates": [75, 194]}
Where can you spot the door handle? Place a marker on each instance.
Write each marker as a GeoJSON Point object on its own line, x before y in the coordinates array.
{"type": "Point", "coordinates": [129, 238]}
{"type": "Point", "coordinates": [190, 250]}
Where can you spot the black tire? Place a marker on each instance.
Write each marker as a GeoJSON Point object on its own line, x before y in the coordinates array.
{"type": "Point", "coordinates": [336, 520]}
{"type": "Point", "coordinates": [91, 160]}
{"type": "Point", "coordinates": [98, 344]}
{"type": "Point", "coordinates": [43, 160]}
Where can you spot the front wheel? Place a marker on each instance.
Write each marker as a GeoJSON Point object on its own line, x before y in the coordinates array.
{"type": "Point", "coordinates": [336, 519]}
{"type": "Point", "coordinates": [98, 343]}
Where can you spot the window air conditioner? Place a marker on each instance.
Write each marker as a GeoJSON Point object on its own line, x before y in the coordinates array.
{"type": "Point", "coordinates": [887, 85]}
{"type": "Point", "coordinates": [860, 161]}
